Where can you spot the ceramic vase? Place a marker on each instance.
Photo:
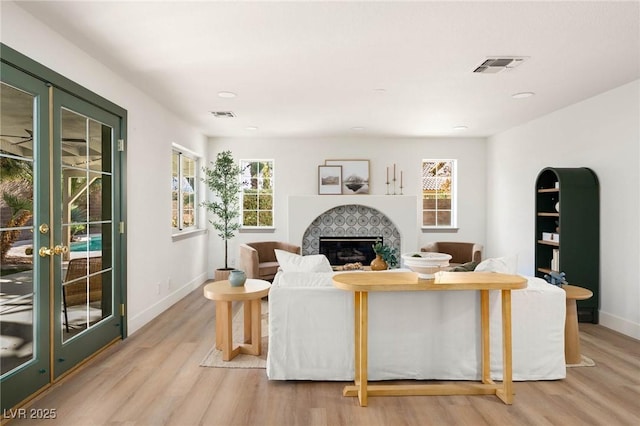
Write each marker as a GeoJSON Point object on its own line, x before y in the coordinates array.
{"type": "Point", "coordinates": [237, 278]}
{"type": "Point", "coordinates": [378, 264]}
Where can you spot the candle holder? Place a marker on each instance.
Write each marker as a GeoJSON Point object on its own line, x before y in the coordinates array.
{"type": "Point", "coordinates": [394, 181]}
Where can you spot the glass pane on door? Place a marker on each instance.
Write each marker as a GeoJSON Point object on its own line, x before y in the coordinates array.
{"type": "Point", "coordinates": [17, 295]}
{"type": "Point", "coordinates": [87, 221]}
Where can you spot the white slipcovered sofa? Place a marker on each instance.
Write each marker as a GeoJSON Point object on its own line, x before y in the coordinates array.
{"type": "Point", "coordinates": [412, 335]}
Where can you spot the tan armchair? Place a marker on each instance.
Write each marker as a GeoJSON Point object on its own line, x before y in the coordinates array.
{"type": "Point", "coordinates": [258, 260]}
{"type": "Point", "coordinates": [460, 252]}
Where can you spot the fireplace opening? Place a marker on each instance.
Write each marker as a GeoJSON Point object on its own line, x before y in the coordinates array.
{"type": "Point", "coordinates": [342, 250]}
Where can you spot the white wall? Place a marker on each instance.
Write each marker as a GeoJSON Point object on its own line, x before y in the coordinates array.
{"type": "Point", "coordinates": [160, 271]}
{"type": "Point", "coordinates": [602, 133]}
{"type": "Point", "coordinates": [296, 173]}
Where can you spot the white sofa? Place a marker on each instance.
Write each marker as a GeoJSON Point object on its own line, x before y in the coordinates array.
{"type": "Point", "coordinates": [412, 335]}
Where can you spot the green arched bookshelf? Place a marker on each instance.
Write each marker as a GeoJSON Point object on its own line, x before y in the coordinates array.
{"type": "Point", "coordinates": [568, 231]}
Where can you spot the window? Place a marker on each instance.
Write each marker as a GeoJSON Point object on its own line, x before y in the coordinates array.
{"type": "Point", "coordinates": [184, 171]}
{"type": "Point", "coordinates": [257, 193]}
{"type": "Point", "coordinates": [438, 193]}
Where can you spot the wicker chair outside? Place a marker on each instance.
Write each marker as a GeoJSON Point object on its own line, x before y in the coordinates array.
{"type": "Point", "coordinates": [74, 288]}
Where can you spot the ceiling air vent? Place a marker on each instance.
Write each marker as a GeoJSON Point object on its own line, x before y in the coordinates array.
{"type": "Point", "coordinates": [495, 65]}
{"type": "Point", "coordinates": [223, 114]}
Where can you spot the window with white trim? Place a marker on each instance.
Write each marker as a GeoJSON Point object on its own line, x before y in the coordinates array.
{"type": "Point", "coordinates": [184, 190]}
{"type": "Point", "coordinates": [256, 198]}
{"type": "Point", "coordinates": [439, 193]}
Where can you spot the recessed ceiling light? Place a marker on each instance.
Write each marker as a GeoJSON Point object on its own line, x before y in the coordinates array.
{"type": "Point", "coordinates": [522, 95]}
{"type": "Point", "coordinates": [460, 128]}
{"type": "Point", "coordinates": [357, 129]}
{"type": "Point", "coordinates": [227, 94]}
{"type": "Point", "coordinates": [252, 128]}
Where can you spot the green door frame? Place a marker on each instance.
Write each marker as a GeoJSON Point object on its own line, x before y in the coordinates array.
{"type": "Point", "coordinates": [34, 374]}
{"type": "Point", "coordinates": [16, 393]}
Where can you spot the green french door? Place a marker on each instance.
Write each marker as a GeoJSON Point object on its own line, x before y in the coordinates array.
{"type": "Point", "coordinates": [61, 286]}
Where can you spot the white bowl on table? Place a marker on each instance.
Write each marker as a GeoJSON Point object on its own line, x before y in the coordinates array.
{"type": "Point", "coordinates": [426, 264]}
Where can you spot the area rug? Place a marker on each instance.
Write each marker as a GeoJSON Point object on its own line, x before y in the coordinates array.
{"type": "Point", "coordinates": [586, 362]}
{"type": "Point", "coordinates": [214, 356]}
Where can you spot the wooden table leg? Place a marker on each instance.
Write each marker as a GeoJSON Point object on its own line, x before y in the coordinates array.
{"type": "Point", "coordinates": [485, 331]}
{"type": "Point", "coordinates": [571, 334]}
{"type": "Point", "coordinates": [356, 333]}
{"type": "Point", "coordinates": [227, 334]}
{"type": "Point", "coordinates": [354, 390]}
{"type": "Point", "coordinates": [364, 347]}
{"type": "Point", "coordinates": [253, 335]}
{"type": "Point", "coordinates": [247, 320]}
{"type": "Point", "coordinates": [219, 322]}
{"type": "Point", "coordinates": [506, 393]}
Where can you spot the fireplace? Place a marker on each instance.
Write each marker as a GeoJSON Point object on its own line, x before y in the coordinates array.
{"type": "Point", "coordinates": [342, 250]}
{"type": "Point", "coordinates": [393, 217]}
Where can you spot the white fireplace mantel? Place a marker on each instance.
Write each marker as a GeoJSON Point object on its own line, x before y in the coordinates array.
{"type": "Point", "coordinates": [402, 210]}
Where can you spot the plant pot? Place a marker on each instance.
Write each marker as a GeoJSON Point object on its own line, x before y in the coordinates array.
{"type": "Point", "coordinates": [237, 278]}
{"type": "Point", "coordinates": [222, 274]}
{"type": "Point", "coordinates": [378, 264]}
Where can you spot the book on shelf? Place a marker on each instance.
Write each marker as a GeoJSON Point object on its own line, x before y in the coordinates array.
{"type": "Point", "coordinates": [551, 236]}
{"type": "Point", "coordinates": [555, 260]}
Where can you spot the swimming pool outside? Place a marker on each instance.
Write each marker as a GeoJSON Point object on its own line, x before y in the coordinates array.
{"type": "Point", "coordinates": [88, 243]}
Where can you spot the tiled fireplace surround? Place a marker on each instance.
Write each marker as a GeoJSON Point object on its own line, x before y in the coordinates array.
{"type": "Point", "coordinates": [395, 217]}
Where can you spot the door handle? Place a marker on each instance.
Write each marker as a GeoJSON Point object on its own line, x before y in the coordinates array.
{"type": "Point", "coordinates": [57, 250]}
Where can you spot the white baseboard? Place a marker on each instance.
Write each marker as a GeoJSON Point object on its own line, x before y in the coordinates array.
{"type": "Point", "coordinates": [620, 325]}
{"type": "Point", "coordinates": [137, 322]}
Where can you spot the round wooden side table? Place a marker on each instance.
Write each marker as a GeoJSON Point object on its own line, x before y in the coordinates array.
{"type": "Point", "coordinates": [224, 294]}
{"type": "Point", "coordinates": [571, 335]}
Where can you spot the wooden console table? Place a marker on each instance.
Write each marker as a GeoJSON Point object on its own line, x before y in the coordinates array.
{"type": "Point", "coordinates": [361, 283]}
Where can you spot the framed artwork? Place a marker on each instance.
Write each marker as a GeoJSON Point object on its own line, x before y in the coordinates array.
{"type": "Point", "coordinates": [355, 175]}
{"type": "Point", "coordinates": [329, 180]}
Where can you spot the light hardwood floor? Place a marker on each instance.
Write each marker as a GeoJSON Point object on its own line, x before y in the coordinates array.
{"type": "Point", "coordinates": [154, 378]}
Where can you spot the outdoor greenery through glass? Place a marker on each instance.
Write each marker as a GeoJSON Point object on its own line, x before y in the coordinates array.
{"type": "Point", "coordinates": [17, 295]}
{"type": "Point", "coordinates": [183, 191]}
{"type": "Point", "coordinates": [438, 193]}
{"type": "Point", "coordinates": [257, 192]}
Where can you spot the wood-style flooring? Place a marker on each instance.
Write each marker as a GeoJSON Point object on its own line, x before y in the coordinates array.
{"type": "Point", "coordinates": [154, 378]}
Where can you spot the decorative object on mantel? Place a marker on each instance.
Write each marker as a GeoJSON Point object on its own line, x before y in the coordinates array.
{"type": "Point", "coordinates": [426, 264]}
{"type": "Point", "coordinates": [355, 175]}
{"type": "Point", "coordinates": [378, 264]}
{"type": "Point", "coordinates": [386, 256]}
{"type": "Point", "coordinates": [222, 179]}
{"type": "Point", "coordinates": [394, 181]}
{"type": "Point", "coordinates": [356, 266]}
{"type": "Point", "coordinates": [556, 278]}
{"type": "Point", "coordinates": [237, 278]}
{"type": "Point", "coordinates": [329, 180]}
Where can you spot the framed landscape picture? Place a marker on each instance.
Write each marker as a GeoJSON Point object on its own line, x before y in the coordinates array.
{"type": "Point", "coordinates": [329, 180]}
{"type": "Point", "coordinates": [355, 175]}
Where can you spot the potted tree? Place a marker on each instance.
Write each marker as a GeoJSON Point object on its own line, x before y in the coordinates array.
{"type": "Point", "coordinates": [223, 180]}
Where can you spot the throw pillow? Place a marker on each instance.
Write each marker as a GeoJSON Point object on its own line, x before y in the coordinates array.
{"type": "Point", "coordinates": [503, 265]}
{"type": "Point", "coordinates": [292, 262]}
{"type": "Point", "coordinates": [465, 267]}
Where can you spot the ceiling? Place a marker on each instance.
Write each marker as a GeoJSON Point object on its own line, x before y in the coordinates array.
{"type": "Point", "coordinates": [388, 69]}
